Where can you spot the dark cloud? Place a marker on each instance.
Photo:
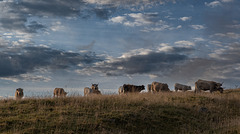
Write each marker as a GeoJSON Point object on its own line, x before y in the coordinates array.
{"type": "Point", "coordinates": [48, 8]}
{"type": "Point", "coordinates": [35, 26]}
{"type": "Point", "coordinates": [13, 23]}
{"type": "Point", "coordinates": [153, 62]}
{"type": "Point", "coordinates": [104, 13]}
{"type": "Point", "coordinates": [14, 15]}
{"type": "Point", "coordinates": [16, 61]}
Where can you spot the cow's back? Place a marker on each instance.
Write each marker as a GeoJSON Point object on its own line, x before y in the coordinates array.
{"type": "Point", "coordinates": [156, 87]}
{"type": "Point", "coordinates": [59, 92]}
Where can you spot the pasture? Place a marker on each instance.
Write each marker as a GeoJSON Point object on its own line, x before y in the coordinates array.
{"type": "Point", "coordinates": [164, 112]}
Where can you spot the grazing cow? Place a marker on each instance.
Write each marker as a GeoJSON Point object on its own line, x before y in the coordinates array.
{"type": "Point", "coordinates": [184, 88]}
{"type": "Point", "coordinates": [19, 93]}
{"type": "Point", "coordinates": [120, 90]}
{"type": "Point", "coordinates": [92, 90]}
{"type": "Point", "coordinates": [208, 85]}
{"type": "Point", "coordinates": [157, 87]}
{"type": "Point", "coordinates": [59, 92]}
{"type": "Point", "coordinates": [127, 88]}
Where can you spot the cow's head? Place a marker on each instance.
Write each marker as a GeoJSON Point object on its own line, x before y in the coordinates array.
{"type": "Point", "coordinates": [95, 86]}
{"type": "Point", "coordinates": [218, 87]}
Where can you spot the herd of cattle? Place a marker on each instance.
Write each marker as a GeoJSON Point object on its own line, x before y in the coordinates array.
{"type": "Point", "coordinates": [153, 88]}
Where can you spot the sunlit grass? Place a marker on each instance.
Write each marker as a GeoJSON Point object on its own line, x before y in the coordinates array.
{"type": "Point", "coordinates": [181, 112]}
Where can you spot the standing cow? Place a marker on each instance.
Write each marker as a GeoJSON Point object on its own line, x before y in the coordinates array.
{"type": "Point", "coordinates": [156, 87]}
{"type": "Point", "coordinates": [59, 92]}
{"type": "Point", "coordinates": [127, 88]}
{"type": "Point", "coordinates": [92, 90]}
{"type": "Point", "coordinates": [19, 93]}
{"type": "Point", "coordinates": [184, 88]}
{"type": "Point", "coordinates": [208, 85]}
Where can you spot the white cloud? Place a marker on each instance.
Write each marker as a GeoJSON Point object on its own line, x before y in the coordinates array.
{"type": "Point", "coordinates": [149, 21]}
{"type": "Point", "coordinates": [227, 1]}
{"type": "Point", "coordinates": [118, 19]}
{"type": "Point", "coordinates": [138, 19]}
{"type": "Point", "coordinates": [213, 4]}
{"type": "Point", "coordinates": [198, 39]}
{"type": "Point", "coordinates": [217, 43]}
{"type": "Point", "coordinates": [152, 76]}
{"type": "Point", "coordinates": [159, 28]}
{"type": "Point", "coordinates": [229, 35]}
{"type": "Point", "coordinates": [237, 26]}
{"type": "Point", "coordinates": [184, 43]}
{"type": "Point", "coordinates": [197, 27]}
{"type": "Point", "coordinates": [164, 47]}
{"type": "Point", "coordinates": [57, 26]}
{"type": "Point", "coordinates": [179, 27]}
{"type": "Point", "coordinates": [185, 18]}
{"type": "Point", "coordinates": [134, 52]}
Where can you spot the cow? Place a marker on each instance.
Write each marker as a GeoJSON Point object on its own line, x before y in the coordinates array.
{"type": "Point", "coordinates": [158, 87]}
{"type": "Point", "coordinates": [184, 88]}
{"type": "Point", "coordinates": [120, 90]}
{"type": "Point", "coordinates": [92, 90]}
{"type": "Point", "coordinates": [127, 88]}
{"type": "Point", "coordinates": [19, 93]}
{"type": "Point", "coordinates": [208, 85]}
{"type": "Point", "coordinates": [59, 92]}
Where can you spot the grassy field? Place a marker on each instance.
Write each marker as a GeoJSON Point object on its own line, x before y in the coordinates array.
{"type": "Point", "coordinates": [133, 113]}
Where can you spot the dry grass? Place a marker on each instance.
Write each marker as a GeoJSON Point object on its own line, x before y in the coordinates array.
{"type": "Point", "coordinates": [133, 113]}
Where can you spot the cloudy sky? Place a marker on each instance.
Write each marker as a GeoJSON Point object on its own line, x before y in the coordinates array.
{"type": "Point", "coordinates": [57, 43]}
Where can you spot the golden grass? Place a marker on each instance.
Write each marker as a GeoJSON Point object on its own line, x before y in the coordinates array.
{"type": "Point", "coordinates": [171, 112]}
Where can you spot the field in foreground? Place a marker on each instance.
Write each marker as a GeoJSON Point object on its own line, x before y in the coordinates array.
{"type": "Point", "coordinates": [133, 113]}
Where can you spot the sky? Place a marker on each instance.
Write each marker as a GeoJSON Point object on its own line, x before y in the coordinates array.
{"type": "Point", "coordinates": [70, 44]}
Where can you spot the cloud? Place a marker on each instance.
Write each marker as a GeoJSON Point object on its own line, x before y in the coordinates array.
{"type": "Point", "coordinates": [22, 60]}
{"type": "Point", "coordinates": [235, 26]}
{"type": "Point", "coordinates": [197, 27]}
{"type": "Point", "coordinates": [227, 1]}
{"type": "Point", "coordinates": [185, 43]}
{"type": "Point", "coordinates": [137, 19]}
{"type": "Point", "coordinates": [141, 61]}
{"type": "Point", "coordinates": [229, 35]}
{"type": "Point", "coordinates": [213, 4]}
{"type": "Point", "coordinates": [149, 21]}
{"type": "Point", "coordinates": [15, 14]}
{"type": "Point", "coordinates": [118, 19]}
{"type": "Point", "coordinates": [27, 77]}
{"type": "Point", "coordinates": [128, 3]}
{"type": "Point", "coordinates": [185, 18]}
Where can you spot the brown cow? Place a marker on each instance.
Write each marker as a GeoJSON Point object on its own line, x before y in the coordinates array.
{"type": "Point", "coordinates": [59, 92]}
{"type": "Point", "coordinates": [92, 90]}
{"type": "Point", "coordinates": [19, 93]}
{"type": "Point", "coordinates": [208, 85]}
{"type": "Point", "coordinates": [181, 87]}
{"type": "Point", "coordinates": [127, 88]}
{"type": "Point", "coordinates": [157, 87]}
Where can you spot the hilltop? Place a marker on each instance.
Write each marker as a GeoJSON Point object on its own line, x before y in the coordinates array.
{"type": "Point", "coordinates": [175, 112]}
